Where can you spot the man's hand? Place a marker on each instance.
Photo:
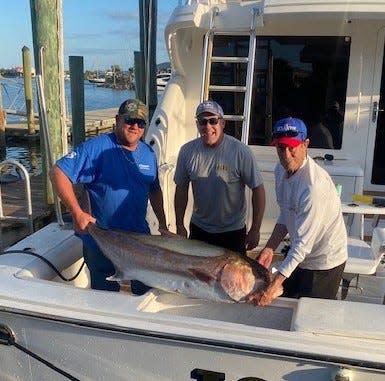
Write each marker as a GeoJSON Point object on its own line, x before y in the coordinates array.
{"type": "Point", "coordinates": [265, 257]}
{"type": "Point", "coordinates": [181, 230]}
{"type": "Point", "coordinates": [81, 221]}
{"type": "Point", "coordinates": [166, 233]}
{"type": "Point", "coordinates": [260, 298]}
{"type": "Point", "coordinates": [252, 239]}
{"type": "Point", "coordinates": [266, 296]}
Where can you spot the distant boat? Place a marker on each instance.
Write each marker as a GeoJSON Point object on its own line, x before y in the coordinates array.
{"type": "Point", "coordinates": [11, 74]}
{"type": "Point", "coordinates": [97, 80]}
{"type": "Point", "coordinates": [161, 80]}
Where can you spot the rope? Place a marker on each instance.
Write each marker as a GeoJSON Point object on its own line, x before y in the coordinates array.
{"type": "Point", "coordinates": [46, 261]}
{"type": "Point", "coordinates": [49, 364]}
{"type": "Point", "coordinates": [8, 338]}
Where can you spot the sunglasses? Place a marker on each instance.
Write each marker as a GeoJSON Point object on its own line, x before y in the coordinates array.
{"type": "Point", "coordinates": [211, 121]}
{"type": "Point", "coordinates": [140, 122]}
{"type": "Point", "coordinates": [288, 133]}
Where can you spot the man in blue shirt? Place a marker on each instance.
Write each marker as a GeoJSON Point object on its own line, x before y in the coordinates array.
{"type": "Point", "coordinates": [119, 172]}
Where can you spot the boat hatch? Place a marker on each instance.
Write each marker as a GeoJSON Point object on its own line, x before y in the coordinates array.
{"type": "Point", "coordinates": [277, 316]}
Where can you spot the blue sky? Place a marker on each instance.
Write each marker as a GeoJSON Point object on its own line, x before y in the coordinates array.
{"type": "Point", "coordinates": [104, 32]}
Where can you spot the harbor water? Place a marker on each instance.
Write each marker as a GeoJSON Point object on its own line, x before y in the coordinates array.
{"type": "Point", "coordinates": [28, 152]}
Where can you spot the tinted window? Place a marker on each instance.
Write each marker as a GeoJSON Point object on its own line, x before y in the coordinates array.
{"type": "Point", "coordinates": [305, 77]}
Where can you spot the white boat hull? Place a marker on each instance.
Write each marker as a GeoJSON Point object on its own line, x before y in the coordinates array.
{"type": "Point", "coordinates": [118, 353]}
{"type": "Point", "coordinates": [97, 335]}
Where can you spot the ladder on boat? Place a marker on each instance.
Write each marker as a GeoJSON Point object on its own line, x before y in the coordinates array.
{"type": "Point", "coordinates": [22, 174]}
{"type": "Point", "coordinates": [208, 59]}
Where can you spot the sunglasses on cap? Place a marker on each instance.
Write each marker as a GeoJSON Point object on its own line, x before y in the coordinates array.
{"type": "Point", "coordinates": [131, 121]}
{"type": "Point", "coordinates": [211, 121]}
{"type": "Point", "coordinates": [288, 133]}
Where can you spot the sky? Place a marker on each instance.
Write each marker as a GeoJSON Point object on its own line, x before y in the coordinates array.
{"type": "Point", "coordinates": [104, 32]}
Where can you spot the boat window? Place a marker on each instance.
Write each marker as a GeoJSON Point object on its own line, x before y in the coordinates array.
{"type": "Point", "coordinates": [300, 76]}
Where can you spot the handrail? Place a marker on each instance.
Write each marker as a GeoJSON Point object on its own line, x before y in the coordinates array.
{"type": "Point", "coordinates": [28, 218]}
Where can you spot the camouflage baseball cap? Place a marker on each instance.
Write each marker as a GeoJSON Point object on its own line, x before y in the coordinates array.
{"type": "Point", "coordinates": [133, 108]}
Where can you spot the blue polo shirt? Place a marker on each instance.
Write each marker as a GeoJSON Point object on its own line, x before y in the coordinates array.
{"type": "Point", "coordinates": [118, 181]}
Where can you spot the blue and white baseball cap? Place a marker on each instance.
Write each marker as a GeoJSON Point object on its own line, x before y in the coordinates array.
{"type": "Point", "coordinates": [290, 132]}
{"type": "Point", "coordinates": [211, 107]}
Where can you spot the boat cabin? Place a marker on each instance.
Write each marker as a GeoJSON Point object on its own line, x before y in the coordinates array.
{"type": "Point", "coordinates": [319, 61]}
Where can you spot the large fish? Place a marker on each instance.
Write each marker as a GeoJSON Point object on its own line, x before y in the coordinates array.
{"type": "Point", "coordinates": [181, 265]}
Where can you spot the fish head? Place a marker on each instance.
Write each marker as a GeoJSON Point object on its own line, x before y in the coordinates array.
{"type": "Point", "coordinates": [240, 277]}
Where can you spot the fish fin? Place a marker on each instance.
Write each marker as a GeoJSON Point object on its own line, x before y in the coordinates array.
{"type": "Point", "coordinates": [114, 278]}
{"type": "Point", "coordinates": [203, 275]}
{"type": "Point", "coordinates": [117, 277]}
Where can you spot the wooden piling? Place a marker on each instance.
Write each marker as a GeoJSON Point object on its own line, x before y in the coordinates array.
{"type": "Point", "coordinates": [147, 23]}
{"type": "Point", "coordinates": [47, 33]}
{"type": "Point", "coordinates": [3, 149]}
{"type": "Point", "coordinates": [140, 90]}
{"type": "Point", "coordinates": [28, 90]}
{"type": "Point", "coordinates": [77, 100]}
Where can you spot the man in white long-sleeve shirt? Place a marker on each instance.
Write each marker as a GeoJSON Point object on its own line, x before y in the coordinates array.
{"type": "Point", "coordinates": [310, 211]}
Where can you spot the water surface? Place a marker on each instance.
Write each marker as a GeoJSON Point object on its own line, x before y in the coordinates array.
{"type": "Point", "coordinates": [28, 152]}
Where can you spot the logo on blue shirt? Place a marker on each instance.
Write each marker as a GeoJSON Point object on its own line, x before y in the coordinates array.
{"type": "Point", "coordinates": [144, 167]}
{"type": "Point", "coordinates": [71, 155]}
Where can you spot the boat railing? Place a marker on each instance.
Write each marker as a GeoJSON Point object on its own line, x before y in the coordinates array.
{"type": "Point", "coordinates": [27, 219]}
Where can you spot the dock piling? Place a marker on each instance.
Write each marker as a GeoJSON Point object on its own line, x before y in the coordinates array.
{"type": "Point", "coordinates": [28, 90]}
{"type": "Point", "coordinates": [77, 99]}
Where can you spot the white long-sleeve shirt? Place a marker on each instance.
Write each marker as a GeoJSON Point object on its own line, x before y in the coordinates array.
{"type": "Point", "coordinates": [311, 211]}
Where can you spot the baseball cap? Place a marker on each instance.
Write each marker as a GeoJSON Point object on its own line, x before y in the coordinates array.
{"type": "Point", "coordinates": [209, 106]}
{"type": "Point", "coordinates": [289, 131]}
{"type": "Point", "coordinates": [133, 108]}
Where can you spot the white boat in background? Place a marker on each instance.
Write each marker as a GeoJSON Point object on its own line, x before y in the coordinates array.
{"type": "Point", "coordinates": [98, 80]}
{"type": "Point", "coordinates": [260, 61]}
{"type": "Point", "coordinates": [161, 80]}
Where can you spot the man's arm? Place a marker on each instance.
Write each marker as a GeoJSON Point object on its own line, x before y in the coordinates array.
{"type": "Point", "coordinates": [64, 189]}
{"type": "Point", "coordinates": [266, 255]}
{"type": "Point", "coordinates": [180, 203]}
{"type": "Point", "coordinates": [258, 203]}
{"type": "Point", "coordinates": [156, 200]}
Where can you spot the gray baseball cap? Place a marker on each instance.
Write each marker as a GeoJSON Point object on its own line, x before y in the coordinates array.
{"type": "Point", "coordinates": [210, 106]}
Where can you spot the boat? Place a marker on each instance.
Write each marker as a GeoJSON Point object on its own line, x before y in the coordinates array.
{"type": "Point", "coordinates": [98, 80]}
{"type": "Point", "coordinates": [258, 59]}
{"type": "Point", "coordinates": [161, 80]}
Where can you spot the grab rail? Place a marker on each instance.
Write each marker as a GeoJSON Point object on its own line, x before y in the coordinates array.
{"type": "Point", "coordinates": [28, 220]}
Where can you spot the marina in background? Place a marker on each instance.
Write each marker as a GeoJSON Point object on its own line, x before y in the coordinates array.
{"type": "Point", "coordinates": [27, 151]}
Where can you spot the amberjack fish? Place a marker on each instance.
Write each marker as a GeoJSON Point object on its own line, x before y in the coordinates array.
{"type": "Point", "coordinates": [178, 264]}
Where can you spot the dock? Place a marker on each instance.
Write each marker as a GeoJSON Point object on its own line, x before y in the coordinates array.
{"type": "Point", "coordinates": [14, 204]}
{"type": "Point", "coordinates": [14, 201]}
{"type": "Point", "coordinates": [96, 122]}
